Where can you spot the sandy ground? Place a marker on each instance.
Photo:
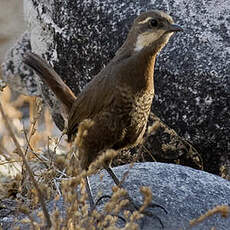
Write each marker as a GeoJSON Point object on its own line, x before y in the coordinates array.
{"type": "Point", "coordinates": [11, 24]}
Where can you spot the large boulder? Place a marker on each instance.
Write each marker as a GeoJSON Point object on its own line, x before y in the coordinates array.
{"type": "Point", "coordinates": [186, 193]}
{"type": "Point", "coordinates": [192, 73]}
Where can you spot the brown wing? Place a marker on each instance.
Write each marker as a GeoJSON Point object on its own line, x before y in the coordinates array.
{"type": "Point", "coordinates": [97, 96]}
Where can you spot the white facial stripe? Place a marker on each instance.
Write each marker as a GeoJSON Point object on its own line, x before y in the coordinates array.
{"type": "Point", "coordinates": [145, 39]}
{"type": "Point", "coordinates": [144, 21]}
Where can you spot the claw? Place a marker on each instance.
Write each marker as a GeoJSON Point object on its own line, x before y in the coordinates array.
{"type": "Point", "coordinates": [154, 205]}
{"type": "Point", "coordinates": [97, 202]}
{"type": "Point", "coordinates": [149, 214]}
{"type": "Point", "coordinates": [109, 197]}
{"type": "Point", "coordinates": [101, 198]}
{"type": "Point", "coordinates": [120, 217]}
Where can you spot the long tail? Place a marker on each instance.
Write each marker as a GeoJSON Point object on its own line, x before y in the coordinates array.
{"type": "Point", "coordinates": [53, 80]}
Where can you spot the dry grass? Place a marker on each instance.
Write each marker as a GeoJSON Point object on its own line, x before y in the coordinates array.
{"type": "Point", "coordinates": [224, 210]}
{"type": "Point", "coordinates": [33, 142]}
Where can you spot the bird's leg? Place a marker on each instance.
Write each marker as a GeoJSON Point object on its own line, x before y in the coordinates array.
{"type": "Point", "coordinates": [153, 205]}
{"type": "Point", "coordinates": [118, 183]}
{"type": "Point", "coordinates": [88, 190]}
{"type": "Point", "coordinates": [91, 200]}
{"type": "Point", "coordinates": [114, 177]}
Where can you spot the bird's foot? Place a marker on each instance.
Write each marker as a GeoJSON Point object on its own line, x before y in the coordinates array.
{"type": "Point", "coordinates": [133, 206]}
{"type": "Point", "coordinates": [99, 200]}
{"type": "Point", "coordinates": [152, 205]}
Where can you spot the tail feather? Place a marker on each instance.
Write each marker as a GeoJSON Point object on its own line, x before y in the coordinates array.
{"type": "Point", "coordinates": [53, 80]}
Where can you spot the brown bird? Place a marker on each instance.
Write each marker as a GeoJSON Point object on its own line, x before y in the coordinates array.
{"type": "Point", "coordinates": [112, 110]}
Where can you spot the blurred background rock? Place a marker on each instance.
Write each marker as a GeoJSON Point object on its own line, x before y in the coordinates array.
{"type": "Point", "coordinates": [11, 24]}
{"type": "Point", "coordinates": [17, 107]}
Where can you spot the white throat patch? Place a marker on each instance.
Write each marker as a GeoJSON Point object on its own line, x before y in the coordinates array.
{"type": "Point", "coordinates": [145, 39]}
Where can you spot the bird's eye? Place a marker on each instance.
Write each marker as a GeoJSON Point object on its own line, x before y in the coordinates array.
{"type": "Point", "coordinates": [153, 23]}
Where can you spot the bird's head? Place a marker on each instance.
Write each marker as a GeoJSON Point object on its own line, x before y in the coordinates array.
{"type": "Point", "coordinates": [151, 30]}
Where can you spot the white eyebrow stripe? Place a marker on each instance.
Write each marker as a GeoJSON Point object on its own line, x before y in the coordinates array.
{"type": "Point", "coordinates": [144, 21]}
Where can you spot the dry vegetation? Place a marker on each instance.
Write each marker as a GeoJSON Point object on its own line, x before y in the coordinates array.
{"type": "Point", "coordinates": [221, 209]}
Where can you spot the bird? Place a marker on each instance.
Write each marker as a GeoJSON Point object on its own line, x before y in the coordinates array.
{"type": "Point", "coordinates": [112, 111]}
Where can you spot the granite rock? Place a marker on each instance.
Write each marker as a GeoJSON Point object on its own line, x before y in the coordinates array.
{"type": "Point", "coordinates": [11, 24]}
{"type": "Point", "coordinates": [186, 193]}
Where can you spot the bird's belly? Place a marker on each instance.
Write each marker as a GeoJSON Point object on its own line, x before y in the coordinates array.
{"type": "Point", "coordinates": [131, 135]}
{"type": "Point", "coordinates": [131, 112]}
{"type": "Point", "coordinates": [133, 125]}
{"type": "Point", "coordinates": [137, 126]}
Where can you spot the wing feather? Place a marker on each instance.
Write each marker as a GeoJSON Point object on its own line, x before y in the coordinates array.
{"type": "Point", "coordinates": [96, 97]}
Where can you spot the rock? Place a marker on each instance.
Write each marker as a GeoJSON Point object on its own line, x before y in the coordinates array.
{"type": "Point", "coordinates": [192, 73]}
{"type": "Point", "coordinates": [11, 24]}
{"type": "Point", "coordinates": [186, 193]}
{"type": "Point", "coordinates": [16, 74]}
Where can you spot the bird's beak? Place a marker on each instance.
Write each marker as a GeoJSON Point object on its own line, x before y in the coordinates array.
{"type": "Point", "coordinates": [174, 28]}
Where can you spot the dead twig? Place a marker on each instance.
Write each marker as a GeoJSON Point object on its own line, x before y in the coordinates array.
{"type": "Point", "coordinates": [31, 149]}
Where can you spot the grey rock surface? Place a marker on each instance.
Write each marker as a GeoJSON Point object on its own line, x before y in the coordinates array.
{"type": "Point", "coordinates": [15, 73]}
{"type": "Point", "coordinates": [192, 73]}
{"type": "Point", "coordinates": [186, 193]}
